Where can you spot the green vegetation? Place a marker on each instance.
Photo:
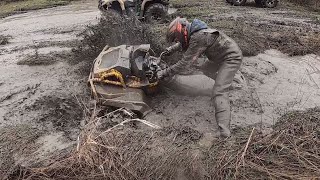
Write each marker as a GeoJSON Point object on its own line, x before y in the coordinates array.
{"type": "Point", "coordinates": [9, 7]}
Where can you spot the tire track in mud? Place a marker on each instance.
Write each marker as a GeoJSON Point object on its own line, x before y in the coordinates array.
{"type": "Point", "coordinates": [30, 89]}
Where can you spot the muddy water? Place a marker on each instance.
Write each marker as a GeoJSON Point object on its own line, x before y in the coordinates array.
{"type": "Point", "coordinates": [277, 84]}
{"type": "Point", "coordinates": [295, 86]}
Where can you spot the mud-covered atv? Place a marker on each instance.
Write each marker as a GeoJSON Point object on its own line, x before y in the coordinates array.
{"type": "Point", "coordinates": [122, 77]}
{"type": "Point", "coordinates": [148, 10]}
{"type": "Point", "coordinates": [260, 3]}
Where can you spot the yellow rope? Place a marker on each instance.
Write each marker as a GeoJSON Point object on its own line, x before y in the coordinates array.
{"type": "Point", "coordinates": [110, 73]}
{"type": "Point", "coordinates": [114, 73]}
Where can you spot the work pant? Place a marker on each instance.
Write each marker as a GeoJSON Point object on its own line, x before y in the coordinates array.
{"type": "Point", "coordinates": [223, 74]}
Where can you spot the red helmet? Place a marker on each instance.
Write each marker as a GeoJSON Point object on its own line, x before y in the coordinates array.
{"type": "Point", "coordinates": [178, 31]}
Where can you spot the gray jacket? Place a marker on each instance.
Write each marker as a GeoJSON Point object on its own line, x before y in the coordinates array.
{"type": "Point", "coordinates": [216, 45]}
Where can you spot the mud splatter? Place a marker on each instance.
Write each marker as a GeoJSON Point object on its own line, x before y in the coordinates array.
{"type": "Point", "coordinates": [4, 40]}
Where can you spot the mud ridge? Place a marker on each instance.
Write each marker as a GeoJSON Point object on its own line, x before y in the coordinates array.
{"type": "Point", "coordinates": [13, 93]}
{"type": "Point", "coordinates": [37, 59]}
{"type": "Point", "coordinates": [4, 40]}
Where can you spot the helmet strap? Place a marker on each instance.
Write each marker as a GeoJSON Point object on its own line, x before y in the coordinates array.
{"type": "Point", "coordinates": [185, 38]}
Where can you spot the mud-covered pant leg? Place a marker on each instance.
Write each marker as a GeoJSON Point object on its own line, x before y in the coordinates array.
{"type": "Point", "coordinates": [226, 72]}
{"type": "Point", "coordinates": [223, 74]}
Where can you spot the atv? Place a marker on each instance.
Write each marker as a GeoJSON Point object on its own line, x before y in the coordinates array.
{"type": "Point", "coordinates": [260, 3]}
{"type": "Point", "coordinates": [148, 10]}
{"type": "Point", "coordinates": [122, 77]}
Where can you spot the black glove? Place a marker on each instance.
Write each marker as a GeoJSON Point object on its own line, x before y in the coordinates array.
{"type": "Point", "coordinates": [166, 52]}
{"type": "Point", "coordinates": [149, 73]}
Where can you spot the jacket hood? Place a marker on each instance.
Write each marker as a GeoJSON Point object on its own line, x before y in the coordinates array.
{"type": "Point", "coordinates": [197, 25]}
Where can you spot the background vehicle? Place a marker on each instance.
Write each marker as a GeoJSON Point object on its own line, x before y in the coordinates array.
{"type": "Point", "coordinates": [148, 10]}
{"type": "Point", "coordinates": [261, 3]}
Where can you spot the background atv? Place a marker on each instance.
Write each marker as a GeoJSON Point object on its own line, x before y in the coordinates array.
{"type": "Point", "coordinates": [260, 3]}
{"type": "Point", "coordinates": [148, 10]}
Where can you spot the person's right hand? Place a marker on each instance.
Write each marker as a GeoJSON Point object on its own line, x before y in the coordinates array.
{"type": "Point", "coordinates": [162, 73]}
{"type": "Point", "coordinates": [164, 54]}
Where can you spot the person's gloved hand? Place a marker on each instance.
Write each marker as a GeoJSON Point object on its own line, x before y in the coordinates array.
{"type": "Point", "coordinates": [162, 73]}
{"type": "Point", "coordinates": [166, 52]}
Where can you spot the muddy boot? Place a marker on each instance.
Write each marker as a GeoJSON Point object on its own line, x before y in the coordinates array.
{"type": "Point", "coordinates": [223, 115]}
{"type": "Point", "coordinates": [224, 129]}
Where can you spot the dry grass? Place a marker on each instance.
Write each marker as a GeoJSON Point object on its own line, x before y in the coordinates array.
{"type": "Point", "coordinates": [107, 151]}
{"type": "Point", "coordinates": [15, 141]}
{"type": "Point", "coordinates": [290, 152]}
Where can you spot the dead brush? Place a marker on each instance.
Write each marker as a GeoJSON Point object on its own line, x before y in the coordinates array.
{"type": "Point", "coordinates": [290, 152]}
{"type": "Point", "coordinates": [108, 151]}
{"type": "Point", "coordinates": [114, 30]}
{"type": "Point", "coordinates": [105, 151]}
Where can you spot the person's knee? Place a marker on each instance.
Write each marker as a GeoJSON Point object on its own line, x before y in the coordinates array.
{"type": "Point", "coordinates": [220, 91]}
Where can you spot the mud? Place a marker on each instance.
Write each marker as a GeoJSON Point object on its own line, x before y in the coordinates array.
{"type": "Point", "coordinates": [46, 98]}
{"type": "Point", "coordinates": [37, 59]}
{"type": "Point", "coordinates": [4, 40]}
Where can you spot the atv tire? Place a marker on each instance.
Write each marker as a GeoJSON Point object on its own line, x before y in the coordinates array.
{"type": "Point", "coordinates": [229, 1]}
{"type": "Point", "coordinates": [269, 3]}
{"type": "Point", "coordinates": [155, 12]}
{"type": "Point", "coordinates": [239, 2]}
{"type": "Point", "coordinates": [258, 2]}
